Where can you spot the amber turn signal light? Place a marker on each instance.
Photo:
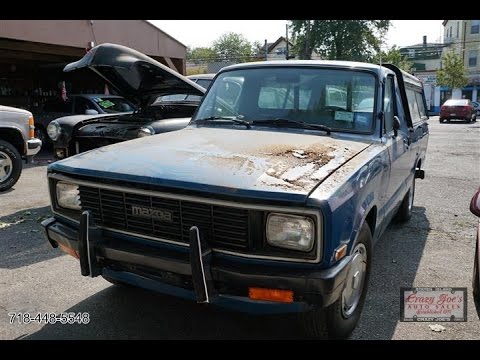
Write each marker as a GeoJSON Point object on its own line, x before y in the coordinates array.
{"type": "Point", "coordinates": [31, 127]}
{"type": "Point", "coordinates": [277, 295]}
{"type": "Point", "coordinates": [69, 251]}
{"type": "Point", "coordinates": [341, 252]}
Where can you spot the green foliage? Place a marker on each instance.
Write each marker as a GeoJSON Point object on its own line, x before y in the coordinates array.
{"type": "Point", "coordinates": [356, 40]}
{"type": "Point", "coordinates": [452, 73]}
{"type": "Point", "coordinates": [200, 53]}
{"type": "Point", "coordinates": [393, 56]}
{"type": "Point", "coordinates": [232, 46]}
{"type": "Point", "coordinates": [229, 46]}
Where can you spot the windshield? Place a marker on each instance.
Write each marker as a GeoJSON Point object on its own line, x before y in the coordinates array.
{"type": "Point", "coordinates": [343, 100]}
{"type": "Point", "coordinates": [113, 104]}
{"type": "Point", "coordinates": [459, 102]}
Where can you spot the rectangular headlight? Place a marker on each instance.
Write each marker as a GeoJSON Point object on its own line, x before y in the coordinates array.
{"type": "Point", "coordinates": [68, 196]}
{"type": "Point", "coordinates": [290, 231]}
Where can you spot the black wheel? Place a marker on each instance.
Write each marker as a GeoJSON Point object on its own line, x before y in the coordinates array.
{"type": "Point", "coordinates": [476, 277]}
{"type": "Point", "coordinates": [404, 213]}
{"type": "Point", "coordinates": [41, 134]}
{"type": "Point", "coordinates": [10, 165]}
{"type": "Point", "coordinates": [339, 319]}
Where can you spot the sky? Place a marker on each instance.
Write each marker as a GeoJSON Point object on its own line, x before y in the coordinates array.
{"type": "Point", "coordinates": [202, 33]}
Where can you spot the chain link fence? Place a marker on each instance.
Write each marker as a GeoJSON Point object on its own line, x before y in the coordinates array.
{"type": "Point", "coordinates": [213, 65]}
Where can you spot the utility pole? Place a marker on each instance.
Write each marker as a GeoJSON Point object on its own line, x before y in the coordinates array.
{"type": "Point", "coordinates": [286, 38]}
{"type": "Point", "coordinates": [287, 55]}
{"type": "Point", "coordinates": [266, 50]}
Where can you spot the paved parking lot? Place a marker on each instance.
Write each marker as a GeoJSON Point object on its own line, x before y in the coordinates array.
{"type": "Point", "coordinates": [434, 249]}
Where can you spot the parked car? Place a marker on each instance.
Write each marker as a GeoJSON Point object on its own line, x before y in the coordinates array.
{"type": "Point", "coordinates": [458, 109]}
{"type": "Point", "coordinates": [17, 142]}
{"type": "Point", "coordinates": [143, 82]}
{"type": "Point", "coordinates": [475, 209]}
{"type": "Point", "coordinates": [76, 104]}
{"type": "Point", "coordinates": [259, 205]}
{"type": "Point", "coordinates": [204, 80]}
{"type": "Point", "coordinates": [476, 105]}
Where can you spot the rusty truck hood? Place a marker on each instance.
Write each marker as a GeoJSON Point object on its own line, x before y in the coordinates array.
{"type": "Point", "coordinates": [219, 160]}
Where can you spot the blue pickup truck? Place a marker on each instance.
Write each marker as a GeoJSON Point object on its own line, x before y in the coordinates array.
{"type": "Point", "coordinates": [269, 201]}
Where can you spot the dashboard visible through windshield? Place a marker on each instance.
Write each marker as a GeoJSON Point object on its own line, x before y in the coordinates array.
{"type": "Point", "coordinates": [343, 100]}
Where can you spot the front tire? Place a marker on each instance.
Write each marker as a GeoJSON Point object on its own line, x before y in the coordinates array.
{"type": "Point", "coordinates": [10, 165]}
{"type": "Point", "coordinates": [476, 277]}
{"type": "Point", "coordinates": [338, 320]}
{"type": "Point", "coordinates": [404, 213]}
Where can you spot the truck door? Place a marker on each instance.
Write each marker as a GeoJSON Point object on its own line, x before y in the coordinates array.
{"type": "Point", "coordinates": [419, 126]}
{"type": "Point", "coordinates": [398, 145]}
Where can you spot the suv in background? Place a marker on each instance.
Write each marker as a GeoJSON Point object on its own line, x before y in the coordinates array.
{"type": "Point", "coordinates": [88, 104]}
{"type": "Point", "coordinates": [17, 142]}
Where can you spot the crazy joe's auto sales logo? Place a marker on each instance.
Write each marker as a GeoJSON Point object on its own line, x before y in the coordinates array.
{"type": "Point", "coordinates": [433, 304]}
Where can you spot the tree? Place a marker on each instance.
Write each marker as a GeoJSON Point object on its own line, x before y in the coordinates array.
{"type": "Point", "coordinates": [232, 46]}
{"type": "Point", "coordinates": [452, 73]}
{"type": "Point", "coordinates": [200, 53]}
{"type": "Point", "coordinates": [355, 40]}
{"type": "Point", "coordinates": [258, 49]}
{"type": "Point", "coordinates": [395, 57]}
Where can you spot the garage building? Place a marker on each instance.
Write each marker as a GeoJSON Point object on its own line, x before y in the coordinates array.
{"type": "Point", "coordinates": [34, 52]}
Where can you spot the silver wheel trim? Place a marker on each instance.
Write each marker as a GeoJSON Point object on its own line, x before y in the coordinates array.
{"type": "Point", "coordinates": [6, 166]}
{"type": "Point", "coordinates": [355, 281]}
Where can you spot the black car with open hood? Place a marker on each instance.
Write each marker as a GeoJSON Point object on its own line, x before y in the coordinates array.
{"type": "Point", "coordinates": [141, 80]}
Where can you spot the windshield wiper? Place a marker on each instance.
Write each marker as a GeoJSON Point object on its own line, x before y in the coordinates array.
{"type": "Point", "coordinates": [224, 119]}
{"type": "Point", "coordinates": [288, 122]}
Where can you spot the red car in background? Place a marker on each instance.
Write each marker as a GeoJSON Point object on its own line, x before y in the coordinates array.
{"type": "Point", "coordinates": [458, 109]}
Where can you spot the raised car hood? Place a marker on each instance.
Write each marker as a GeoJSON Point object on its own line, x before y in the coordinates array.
{"type": "Point", "coordinates": [134, 75]}
{"type": "Point", "coordinates": [249, 163]}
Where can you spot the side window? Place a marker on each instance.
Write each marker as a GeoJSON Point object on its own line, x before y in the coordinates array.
{"type": "Point", "coordinates": [413, 106]}
{"type": "Point", "coordinates": [416, 105]}
{"type": "Point", "coordinates": [81, 105]}
{"type": "Point", "coordinates": [205, 83]}
{"type": "Point", "coordinates": [58, 106]}
{"type": "Point", "coordinates": [421, 105]}
{"type": "Point", "coordinates": [388, 104]}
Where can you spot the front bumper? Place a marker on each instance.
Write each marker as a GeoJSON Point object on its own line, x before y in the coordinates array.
{"type": "Point", "coordinates": [33, 146]}
{"type": "Point", "coordinates": [170, 269]}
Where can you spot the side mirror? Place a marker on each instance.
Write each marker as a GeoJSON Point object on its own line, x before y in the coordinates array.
{"type": "Point", "coordinates": [91, 112]}
{"type": "Point", "coordinates": [475, 204]}
{"type": "Point", "coordinates": [396, 125]}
